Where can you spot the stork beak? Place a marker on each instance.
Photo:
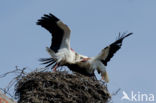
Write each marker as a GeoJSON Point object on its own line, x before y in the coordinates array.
{"type": "Point", "coordinates": [85, 59]}
{"type": "Point", "coordinates": [105, 77]}
{"type": "Point", "coordinates": [72, 49]}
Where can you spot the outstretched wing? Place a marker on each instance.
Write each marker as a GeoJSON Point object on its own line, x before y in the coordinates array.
{"type": "Point", "coordinates": [108, 52]}
{"type": "Point", "coordinates": [59, 31]}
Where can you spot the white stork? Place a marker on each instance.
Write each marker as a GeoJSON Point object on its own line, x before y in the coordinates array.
{"type": "Point", "coordinates": [63, 55]}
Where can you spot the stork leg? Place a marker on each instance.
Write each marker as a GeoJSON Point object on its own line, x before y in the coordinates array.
{"type": "Point", "coordinates": [55, 67]}
{"type": "Point", "coordinates": [104, 76]}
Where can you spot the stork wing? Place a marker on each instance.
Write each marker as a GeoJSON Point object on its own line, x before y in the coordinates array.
{"type": "Point", "coordinates": [108, 52]}
{"type": "Point", "coordinates": [59, 31]}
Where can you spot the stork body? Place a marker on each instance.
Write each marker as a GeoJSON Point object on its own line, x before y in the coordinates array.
{"type": "Point", "coordinates": [63, 55]}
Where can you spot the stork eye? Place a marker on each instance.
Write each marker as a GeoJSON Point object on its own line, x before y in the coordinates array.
{"type": "Point", "coordinates": [81, 57]}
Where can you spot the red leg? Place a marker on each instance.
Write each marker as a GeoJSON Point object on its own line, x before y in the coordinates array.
{"type": "Point", "coordinates": [105, 77]}
{"type": "Point", "coordinates": [55, 67]}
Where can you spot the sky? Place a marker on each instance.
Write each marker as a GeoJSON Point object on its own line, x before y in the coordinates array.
{"type": "Point", "coordinates": [94, 24]}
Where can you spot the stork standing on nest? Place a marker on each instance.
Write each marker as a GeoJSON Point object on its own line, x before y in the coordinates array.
{"type": "Point", "coordinates": [63, 55]}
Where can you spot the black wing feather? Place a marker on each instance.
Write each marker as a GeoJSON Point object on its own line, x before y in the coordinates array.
{"type": "Point", "coordinates": [49, 22]}
{"type": "Point", "coordinates": [114, 47]}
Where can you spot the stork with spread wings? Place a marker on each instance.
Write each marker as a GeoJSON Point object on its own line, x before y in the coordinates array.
{"type": "Point", "coordinates": [63, 55]}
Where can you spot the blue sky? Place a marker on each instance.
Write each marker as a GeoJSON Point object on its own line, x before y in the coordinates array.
{"type": "Point", "coordinates": [94, 25]}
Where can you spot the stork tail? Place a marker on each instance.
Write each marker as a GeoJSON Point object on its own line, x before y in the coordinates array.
{"type": "Point", "coordinates": [48, 61]}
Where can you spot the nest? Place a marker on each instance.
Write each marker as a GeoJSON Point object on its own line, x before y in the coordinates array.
{"type": "Point", "coordinates": [60, 87]}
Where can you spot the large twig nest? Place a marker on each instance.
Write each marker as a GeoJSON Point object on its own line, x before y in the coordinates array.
{"type": "Point", "coordinates": [60, 87]}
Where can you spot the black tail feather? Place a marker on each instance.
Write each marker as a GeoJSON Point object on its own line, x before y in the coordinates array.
{"type": "Point", "coordinates": [45, 59]}
{"type": "Point", "coordinates": [48, 61]}
{"type": "Point", "coordinates": [50, 64]}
